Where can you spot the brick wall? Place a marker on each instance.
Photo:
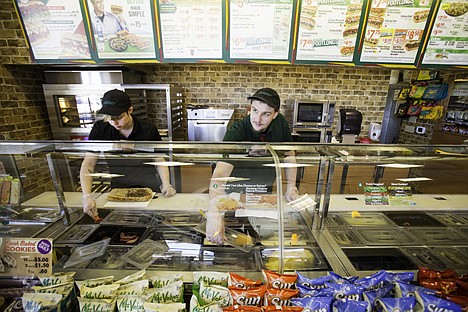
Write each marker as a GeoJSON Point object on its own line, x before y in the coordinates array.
{"type": "Point", "coordinates": [228, 85]}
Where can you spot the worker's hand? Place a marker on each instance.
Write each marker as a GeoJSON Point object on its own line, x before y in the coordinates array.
{"type": "Point", "coordinates": [167, 190]}
{"type": "Point", "coordinates": [215, 227]}
{"type": "Point", "coordinates": [89, 206]}
{"type": "Point", "coordinates": [291, 194]}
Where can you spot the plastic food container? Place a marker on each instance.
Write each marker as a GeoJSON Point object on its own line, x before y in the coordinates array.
{"type": "Point", "coordinates": [145, 253]}
{"type": "Point", "coordinates": [175, 235]}
{"type": "Point", "coordinates": [449, 219]}
{"type": "Point", "coordinates": [77, 234]}
{"type": "Point", "coordinates": [292, 237]}
{"type": "Point", "coordinates": [454, 257]}
{"type": "Point", "coordinates": [224, 259]}
{"type": "Point", "coordinates": [134, 218]}
{"type": "Point", "coordinates": [111, 259]}
{"type": "Point", "coordinates": [169, 261]}
{"type": "Point", "coordinates": [424, 257]}
{"type": "Point", "coordinates": [367, 219]}
{"type": "Point", "coordinates": [233, 238]}
{"type": "Point", "coordinates": [436, 236]}
{"type": "Point", "coordinates": [87, 253]}
{"type": "Point", "coordinates": [346, 237]}
{"type": "Point", "coordinates": [301, 258]}
{"type": "Point", "coordinates": [334, 219]}
{"type": "Point", "coordinates": [385, 236]}
{"type": "Point", "coordinates": [181, 219]}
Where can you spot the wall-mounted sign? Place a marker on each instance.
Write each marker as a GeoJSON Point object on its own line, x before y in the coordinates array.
{"type": "Point", "coordinates": [394, 31]}
{"type": "Point", "coordinates": [260, 30]}
{"type": "Point", "coordinates": [191, 29]}
{"type": "Point", "coordinates": [54, 29]}
{"type": "Point", "coordinates": [25, 256]}
{"type": "Point", "coordinates": [122, 29]}
{"type": "Point", "coordinates": [448, 41]}
{"type": "Point", "coordinates": [328, 30]}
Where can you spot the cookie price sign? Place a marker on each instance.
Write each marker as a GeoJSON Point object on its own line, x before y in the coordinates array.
{"type": "Point", "coordinates": [25, 256]}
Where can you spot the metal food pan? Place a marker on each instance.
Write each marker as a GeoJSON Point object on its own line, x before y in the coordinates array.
{"type": "Point", "coordinates": [346, 237]}
{"type": "Point", "coordinates": [133, 218]}
{"type": "Point", "coordinates": [436, 236]}
{"type": "Point", "coordinates": [295, 258]}
{"type": "Point", "coordinates": [449, 219]}
{"type": "Point", "coordinates": [385, 236]}
{"type": "Point", "coordinates": [424, 257]}
{"type": "Point", "coordinates": [76, 234]}
{"type": "Point", "coordinates": [403, 218]}
{"type": "Point", "coordinates": [224, 259]}
{"type": "Point", "coordinates": [367, 219]}
{"type": "Point", "coordinates": [454, 257]}
{"type": "Point", "coordinates": [379, 258]}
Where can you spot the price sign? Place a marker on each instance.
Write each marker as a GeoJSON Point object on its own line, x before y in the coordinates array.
{"type": "Point", "coordinates": [373, 33]}
{"type": "Point", "coordinates": [413, 34]}
{"type": "Point", "coordinates": [26, 256]}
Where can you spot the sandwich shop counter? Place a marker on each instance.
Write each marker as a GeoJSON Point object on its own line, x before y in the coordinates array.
{"type": "Point", "coordinates": [362, 208]}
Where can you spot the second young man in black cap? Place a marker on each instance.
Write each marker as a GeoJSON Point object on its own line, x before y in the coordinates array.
{"type": "Point", "coordinates": [264, 124]}
{"type": "Point", "coordinates": [118, 124]}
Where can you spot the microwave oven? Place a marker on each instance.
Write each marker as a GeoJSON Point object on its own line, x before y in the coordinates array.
{"type": "Point", "coordinates": [312, 113]}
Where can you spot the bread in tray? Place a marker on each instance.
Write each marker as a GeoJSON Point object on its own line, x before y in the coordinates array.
{"type": "Point", "coordinates": [130, 194]}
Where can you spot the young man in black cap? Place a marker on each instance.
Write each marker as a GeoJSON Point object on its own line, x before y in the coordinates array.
{"type": "Point", "coordinates": [264, 124]}
{"type": "Point", "coordinates": [119, 124]}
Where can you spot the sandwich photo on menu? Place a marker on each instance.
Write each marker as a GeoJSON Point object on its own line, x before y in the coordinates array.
{"type": "Point", "coordinates": [347, 50]}
{"type": "Point", "coordinates": [74, 44]}
{"type": "Point", "coordinates": [420, 16]}
{"type": "Point", "coordinates": [34, 14]}
{"type": "Point", "coordinates": [307, 17]}
{"type": "Point", "coordinates": [371, 42]}
{"type": "Point", "coordinates": [350, 32]}
{"type": "Point", "coordinates": [378, 11]}
{"type": "Point", "coordinates": [352, 20]}
{"type": "Point", "coordinates": [412, 45]}
{"type": "Point", "coordinates": [375, 21]}
{"type": "Point", "coordinates": [354, 9]}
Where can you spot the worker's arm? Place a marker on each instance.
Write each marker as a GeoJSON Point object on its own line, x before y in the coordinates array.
{"type": "Point", "coordinates": [166, 188]}
{"type": "Point", "coordinates": [86, 181]}
{"type": "Point", "coordinates": [292, 192]}
{"type": "Point", "coordinates": [214, 217]}
{"type": "Point", "coordinates": [218, 180]}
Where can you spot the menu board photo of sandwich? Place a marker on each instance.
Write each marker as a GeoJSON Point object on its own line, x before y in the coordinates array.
{"type": "Point", "coordinates": [394, 31]}
{"type": "Point", "coordinates": [327, 30]}
{"type": "Point", "coordinates": [448, 41]}
{"type": "Point", "coordinates": [54, 29]}
{"type": "Point", "coordinates": [122, 29]}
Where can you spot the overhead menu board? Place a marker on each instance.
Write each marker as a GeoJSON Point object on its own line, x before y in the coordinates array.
{"type": "Point", "coordinates": [260, 29]}
{"type": "Point", "coordinates": [54, 29]}
{"type": "Point", "coordinates": [191, 29]}
{"type": "Point", "coordinates": [122, 29]}
{"type": "Point", "coordinates": [328, 30]}
{"type": "Point", "coordinates": [394, 31]}
{"type": "Point", "coordinates": [448, 41]}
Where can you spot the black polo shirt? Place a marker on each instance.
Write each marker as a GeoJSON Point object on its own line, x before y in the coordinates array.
{"type": "Point", "coordinates": [134, 171]}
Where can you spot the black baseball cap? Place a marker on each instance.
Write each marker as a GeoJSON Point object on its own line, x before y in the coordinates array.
{"type": "Point", "coordinates": [267, 95]}
{"type": "Point", "coordinates": [114, 103]}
